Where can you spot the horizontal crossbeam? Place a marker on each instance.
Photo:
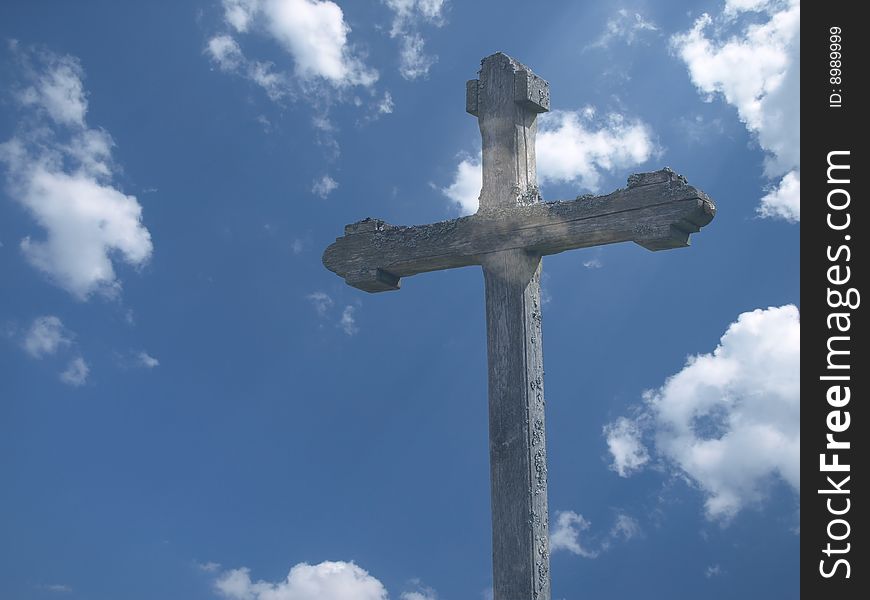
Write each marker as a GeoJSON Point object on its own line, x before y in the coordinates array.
{"type": "Point", "coordinates": [657, 210]}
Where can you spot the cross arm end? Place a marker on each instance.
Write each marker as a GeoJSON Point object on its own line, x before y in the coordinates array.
{"type": "Point", "coordinates": [696, 210]}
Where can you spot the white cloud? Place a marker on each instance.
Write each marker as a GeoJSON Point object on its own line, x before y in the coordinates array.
{"type": "Point", "coordinates": [624, 529]}
{"type": "Point", "coordinates": [422, 592]}
{"type": "Point", "coordinates": [465, 189]}
{"type": "Point", "coordinates": [729, 421]}
{"type": "Point", "coordinates": [625, 445]}
{"type": "Point", "coordinates": [575, 146]}
{"type": "Point", "coordinates": [571, 533]}
{"type": "Point", "coordinates": [146, 360]}
{"type": "Point", "coordinates": [755, 66]}
{"type": "Point", "coordinates": [571, 147]}
{"type": "Point", "coordinates": [408, 17]}
{"type": "Point", "coordinates": [386, 105]}
{"type": "Point", "coordinates": [61, 172]}
{"type": "Point", "coordinates": [313, 32]}
{"type": "Point", "coordinates": [240, 13]}
{"type": "Point", "coordinates": [712, 571]}
{"type": "Point", "coordinates": [58, 91]}
{"type": "Point", "coordinates": [228, 56]}
{"type": "Point", "coordinates": [323, 581]}
{"type": "Point", "coordinates": [209, 567]}
{"type": "Point", "coordinates": [45, 336]}
{"type": "Point", "coordinates": [413, 60]}
{"type": "Point", "coordinates": [593, 263]}
{"type": "Point", "coordinates": [566, 534]}
{"type": "Point", "coordinates": [76, 372]}
{"type": "Point", "coordinates": [417, 596]}
{"type": "Point", "coordinates": [321, 302]}
{"type": "Point", "coordinates": [324, 186]}
{"type": "Point", "coordinates": [348, 321]}
{"type": "Point", "coordinates": [225, 51]}
{"type": "Point", "coordinates": [784, 200]}
{"type": "Point", "coordinates": [624, 26]}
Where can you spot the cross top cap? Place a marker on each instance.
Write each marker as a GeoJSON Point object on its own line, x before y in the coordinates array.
{"type": "Point", "coordinates": [530, 91]}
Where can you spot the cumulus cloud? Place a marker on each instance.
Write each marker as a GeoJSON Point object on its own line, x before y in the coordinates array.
{"type": "Point", "coordinates": [45, 336]}
{"type": "Point", "coordinates": [76, 373]}
{"type": "Point", "coordinates": [572, 147]}
{"type": "Point", "coordinates": [61, 172]}
{"type": "Point", "coordinates": [408, 18]}
{"type": "Point", "coordinates": [784, 200]}
{"type": "Point", "coordinates": [464, 192]}
{"type": "Point", "coordinates": [624, 26]}
{"type": "Point", "coordinates": [576, 146]}
{"type": "Point", "coordinates": [324, 581]}
{"type": "Point", "coordinates": [313, 33]}
{"type": "Point", "coordinates": [729, 421]}
{"type": "Point", "coordinates": [755, 67]}
{"type": "Point", "coordinates": [570, 533]}
{"type": "Point", "coordinates": [324, 186]}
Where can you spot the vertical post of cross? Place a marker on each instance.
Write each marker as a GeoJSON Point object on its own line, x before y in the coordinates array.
{"type": "Point", "coordinates": [506, 100]}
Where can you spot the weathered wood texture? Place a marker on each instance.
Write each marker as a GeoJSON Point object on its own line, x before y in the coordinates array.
{"type": "Point", "coordinates": [510, 233]}
{"type": "Point", "coordinates": [509, 97]}
{"type": "Point", "coordinates": [517, 444]}
{"type": "Point", "coordinates": [657, 210]}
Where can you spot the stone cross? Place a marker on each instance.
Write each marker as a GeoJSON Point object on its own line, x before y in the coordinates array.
{"type": "Point", "coordinates": [507, 236]}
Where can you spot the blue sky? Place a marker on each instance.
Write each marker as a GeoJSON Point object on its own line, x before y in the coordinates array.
{"type": "Point", "coordinates": [193, 407]}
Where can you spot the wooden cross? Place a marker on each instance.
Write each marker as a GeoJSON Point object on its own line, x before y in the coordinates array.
{"type": "Point", "coordinates": [507, 236]}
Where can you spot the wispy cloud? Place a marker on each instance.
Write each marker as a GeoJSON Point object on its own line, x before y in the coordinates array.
{"type": "Point", "coordinates": [57, 588]}
{"type": "Point", "coordinates": [323, 305]}
{"type": "Point", "coordinates": [146, 360]}
{"type": "Point", "coordinates": [321, 301]}
{"type": "Point", "coordinates": [324, 186]}
{"type": "Point", "coordinates": [408, 18]}
{"type": "Point", "coordinates": [45, 336]}
{"type": "Point", "coordinates": [348, 321]}
{"type": "Point", "coordinates": [624, 26]}
{"type": "Point", "coordinates": [76, 373]}
{"type": "Point", "coordinates": [571, 532]}
{"type": "Point", "coordinates": [209, 567]}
